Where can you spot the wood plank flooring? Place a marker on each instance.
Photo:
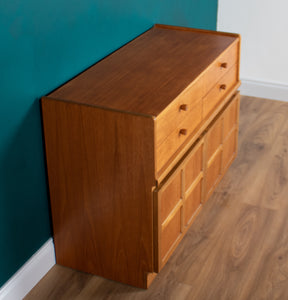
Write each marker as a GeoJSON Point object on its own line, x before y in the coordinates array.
{"type": "Point", "coordinates": [237, 247]}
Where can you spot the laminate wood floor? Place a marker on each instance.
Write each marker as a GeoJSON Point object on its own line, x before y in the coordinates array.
{"type": "Point", "coordinates": [237, 247]}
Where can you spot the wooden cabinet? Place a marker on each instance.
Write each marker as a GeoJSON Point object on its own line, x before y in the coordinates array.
{"type": "Point", "coordinates": [135, 145]}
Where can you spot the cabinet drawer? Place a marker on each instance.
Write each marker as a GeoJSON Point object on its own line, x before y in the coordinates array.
{"type": "Point", "coordinates": [180, 134]}
{"type": "Point", "coordinates": [173, 129]}
{"type": "Point", "coordinates": [220, 67]}
{"type": "Point", "coordinates": [181, 108]}
{"type": "Point", "coordinates": [219, 91]}
{"type": "Point", "coordinates": [190, 109]}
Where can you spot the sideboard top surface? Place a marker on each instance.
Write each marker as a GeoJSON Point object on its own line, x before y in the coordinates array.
{"type": "Point", "coordinates": [147, 74]}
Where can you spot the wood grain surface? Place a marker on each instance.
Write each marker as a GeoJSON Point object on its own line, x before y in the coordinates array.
{"type": "Point", "coordinates": [237, 248]}
{"type": "Point", "coordinates": [87, 149]}
{"type": "Point", "coordinates": [120, 81]}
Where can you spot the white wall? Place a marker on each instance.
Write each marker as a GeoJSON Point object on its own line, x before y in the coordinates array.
{"type": "Point", "coordinates": [263, 26]}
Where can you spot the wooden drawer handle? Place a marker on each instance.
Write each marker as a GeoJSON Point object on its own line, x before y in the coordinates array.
{"type": "Point", "coordinates": [183, 131]}
{"type": "Point", "coordinates": [223, 87]}
{"type": "Point", "coordinates": [224, 65]}
{"type": "Point", "coordinates": [183, 107]}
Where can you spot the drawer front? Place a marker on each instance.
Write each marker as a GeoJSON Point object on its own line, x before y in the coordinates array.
{"type": "Point", "coordinates": [173, 130]}
{"type": "Point", "coordinates": [179, 136]}
{"type": "Point", "coordinates": [219, 91]}
{"type": "Point", "coordinates": [181, 108]}
{"type": "Point", "coordinates": [221, 66]}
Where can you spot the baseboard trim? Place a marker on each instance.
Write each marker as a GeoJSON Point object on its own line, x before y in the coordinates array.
{"type": "Point", "coordinates": [19, 285]}
{"type": "Point", "coordinates": [263, 89]}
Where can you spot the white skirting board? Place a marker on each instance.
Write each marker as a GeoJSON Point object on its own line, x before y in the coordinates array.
{"type": "Point", "coordinates": [262, 89]}
{"type": "Point", "coordinates": [19, 285]}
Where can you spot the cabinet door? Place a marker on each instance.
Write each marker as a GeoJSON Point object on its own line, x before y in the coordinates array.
{"type": "Point", "coordinates": [230, 132]}
{"type": "Point", "coordinates": [193, 171]}
{"type": "Point", "coordinates": [168, 207]}
{"type": "Point", "coordinates": [221, 145]}
{"type": "Point", "coordinates": [213, 151]}
{"type": "Point", "coordinates": [177, 202]}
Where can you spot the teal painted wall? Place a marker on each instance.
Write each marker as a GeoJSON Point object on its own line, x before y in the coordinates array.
{"type": "Point", "coordinates": [42, 45]}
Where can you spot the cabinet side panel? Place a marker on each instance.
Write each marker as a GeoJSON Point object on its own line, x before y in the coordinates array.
{"type": "Point", "coordinates": [100, 169]}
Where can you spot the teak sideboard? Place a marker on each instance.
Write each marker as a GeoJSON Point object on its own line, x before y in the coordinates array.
{"type": "Point", "coordinates": [135, 145]}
